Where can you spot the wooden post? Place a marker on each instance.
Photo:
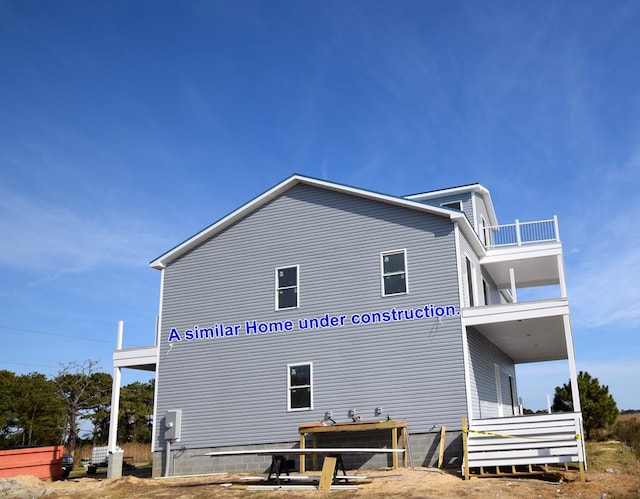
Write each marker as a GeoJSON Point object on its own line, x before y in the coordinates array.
{"type": "Point", "coordinates": [443, 432]}
{"type": "Point", "coordinates": [394, 446]}
{"type": "Point", "coordinates": [328, 468]}
{"type": "Point", "coordinates": [465, 448]}
{"type": "Point", "coordinates": [314, 458]}
{"type": "Point", "coordinates": [404, 442]}
{"type": "Point", "coordinates": [303, 459]}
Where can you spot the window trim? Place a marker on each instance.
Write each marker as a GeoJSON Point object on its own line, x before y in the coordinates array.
{"type": "Point", "coordinates": [383, 275]}
{"type": "Point", "coordinates": [277, 288]}
{"type": "Point", "coordinates": [290, 387]}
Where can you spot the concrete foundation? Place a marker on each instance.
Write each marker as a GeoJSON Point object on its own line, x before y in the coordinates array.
{"type": "Point", "coordinates": [114, 462]}
{"type": "Point", "coordinates": [423, 450]}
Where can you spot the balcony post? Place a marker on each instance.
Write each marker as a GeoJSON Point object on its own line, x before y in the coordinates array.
{"type": "Point", "coordinates": [573, 372]}
{"type": "Point", "coordinates": [563, 282]}
{"type": "Point", "coordinates": [518, 238]}
{"type": "Point", "coordinates": [556, 227]}
{"type": "Point", "coordinates": [119, 335]}
{"type": "Point", "coordinates": [512, 277]}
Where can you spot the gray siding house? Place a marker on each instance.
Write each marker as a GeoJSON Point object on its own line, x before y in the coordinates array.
{"type": "Point", "coordinates": [319, 300]}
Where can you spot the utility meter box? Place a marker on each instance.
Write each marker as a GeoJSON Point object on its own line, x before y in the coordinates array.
{"type": "Point", "coordinates": [172, 424]}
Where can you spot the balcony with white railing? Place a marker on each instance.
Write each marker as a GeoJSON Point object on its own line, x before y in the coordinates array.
{"type": "Point", "coordinates": [522, 233]}
{"type": "Point", "coordinates": [524, 255]}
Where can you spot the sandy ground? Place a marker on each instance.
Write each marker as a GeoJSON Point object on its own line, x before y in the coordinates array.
{"type": "Point", "coordinates": [415, 482]}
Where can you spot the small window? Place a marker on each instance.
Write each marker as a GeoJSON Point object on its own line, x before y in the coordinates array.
{"type": "Point", "coordinates": [300, 394]}
{"type": "Point", "coordinates": [394, 272]}
{"type": "Point", "coordinates": [287, 287]}
{"type": "Point", "coordinates": [454, 205]}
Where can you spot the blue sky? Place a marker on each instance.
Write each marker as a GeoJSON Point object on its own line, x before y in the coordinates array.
{"type": "Point", "coordinates": [129, 126]}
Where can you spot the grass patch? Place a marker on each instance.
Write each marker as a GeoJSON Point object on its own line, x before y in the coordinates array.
{"type": "Point", "coordinates": [611, 455]}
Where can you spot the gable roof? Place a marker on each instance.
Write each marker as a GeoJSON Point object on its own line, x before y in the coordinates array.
{"type": "Point", "coordinates": [289, 183]}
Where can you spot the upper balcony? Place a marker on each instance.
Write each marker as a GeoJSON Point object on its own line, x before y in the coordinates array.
{"type": "Point", "coordinates": [524, 255]}
{"type": "Point", "coordinates": [521, 234]}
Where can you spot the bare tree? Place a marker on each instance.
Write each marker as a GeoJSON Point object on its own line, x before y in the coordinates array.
{"type": "Point", "coordinates": [82, 389]}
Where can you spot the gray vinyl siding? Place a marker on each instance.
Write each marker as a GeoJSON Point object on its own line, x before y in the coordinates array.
{"type": "Point", "coordinates": [464, 197]}
{"type": "Point", "coordinates": [481, 210]}
{"type": "Point", "coordinates": [233, 391]}
{"type": "Point", "coordinates": [468, 252]}
{"type": "Point", "coordinates": [483, 355]}
{"type": "Point", "coordinates": [480, 213]}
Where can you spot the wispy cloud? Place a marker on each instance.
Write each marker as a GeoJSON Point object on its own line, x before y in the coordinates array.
{"type": "Point", "coordinates": [41, 235]}
{"type": "Point", "coordinates": [605, 290]}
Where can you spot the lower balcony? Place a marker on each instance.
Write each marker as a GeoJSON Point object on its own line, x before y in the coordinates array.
{"type": "Point", "coordinates": [534, 331]}
{"type": "Point", "coordinates": [141, 358]}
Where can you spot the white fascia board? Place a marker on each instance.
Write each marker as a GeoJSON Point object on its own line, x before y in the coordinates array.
{"type": "Point", "coordinates": [472, 237]}
{"type": "Point", "coordinates": [244, 210]}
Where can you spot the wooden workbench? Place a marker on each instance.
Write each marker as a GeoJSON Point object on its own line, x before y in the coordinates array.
{"type": "Point", "coordinates": [393, 425]}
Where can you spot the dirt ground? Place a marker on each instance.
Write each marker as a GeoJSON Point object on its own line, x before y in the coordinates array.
{"type": "Point", "coordinates": [414, 483]}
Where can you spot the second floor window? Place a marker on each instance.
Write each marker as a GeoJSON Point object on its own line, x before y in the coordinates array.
{"type": "Point", "coordinates": [394, 272]}
{"type": "Point", "coordinates": [287, 287]}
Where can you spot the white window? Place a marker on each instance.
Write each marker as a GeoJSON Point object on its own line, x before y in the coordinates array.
{"type": "Point", "coordinates": [471, 282]}
{"type": "Point", "coordinates": [483, 230]}
{"type": "Point", "coordinates": [455, 205]}
{"type": "Point", "coordinates": [299, 386]}
{"type": "Point", "coordinates": [394, 272]}
{"type": "Point", "coordinates": [287, 287]}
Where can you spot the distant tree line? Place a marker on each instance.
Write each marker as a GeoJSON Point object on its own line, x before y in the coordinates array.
{"type": "Point", "coordinates": [73, 406]}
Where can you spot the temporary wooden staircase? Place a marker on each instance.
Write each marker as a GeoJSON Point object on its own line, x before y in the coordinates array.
{"type": "Point", "coordinates": [522, 444]}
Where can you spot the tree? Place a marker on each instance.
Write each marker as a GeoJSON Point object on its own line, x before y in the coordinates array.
{"type": "Point", "coordinates": [598, 407]}
{"type": "Point", "coordinates": [136, 412]}
{"type": "Point", "coordinates": [100, 411]}
{"type": "Point", "coordinates": [30, 412]}
{"type": "Point", "coordinates": [82, 390]}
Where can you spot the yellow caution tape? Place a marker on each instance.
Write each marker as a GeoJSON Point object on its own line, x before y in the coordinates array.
{"type": "Point", "coordinates": [491, 434]}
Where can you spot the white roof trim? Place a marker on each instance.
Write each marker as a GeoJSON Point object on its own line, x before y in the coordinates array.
{"type": "Point", "coordinates": [234, 216]}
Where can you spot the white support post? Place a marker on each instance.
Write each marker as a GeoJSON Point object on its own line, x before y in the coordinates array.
{"type": "Point", "coordinates": [512, 277]}
{"type": "Point", "coordinates": [561, 276]}
{"type": "Point", "coordinates": [518, 238]}
{"type": "Point", "coordinates": [557, 227]}
{"type": "Point", "coordinates": [115, 395]}
{"type": "Point", "coordinates": [573, 372]}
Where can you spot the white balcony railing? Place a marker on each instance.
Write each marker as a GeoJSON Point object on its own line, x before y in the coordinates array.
{"type": "Point", "coordinates": [520, 233]}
